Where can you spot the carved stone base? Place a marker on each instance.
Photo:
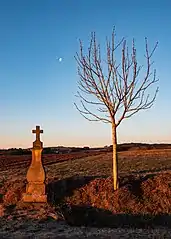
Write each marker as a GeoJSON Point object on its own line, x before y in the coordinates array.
{"type": "Point", "coordinates": [35, 192]}
{"type": "Point", "coordinates": [34, 198]}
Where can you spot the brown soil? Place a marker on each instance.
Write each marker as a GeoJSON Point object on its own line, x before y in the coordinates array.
{"type": "Point", "coordinates": [140, 201]}
{"type": "Point", "coordinates": [81, 193]}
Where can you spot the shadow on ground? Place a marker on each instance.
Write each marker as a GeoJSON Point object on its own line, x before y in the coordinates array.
{"type": "Point", "coordinates": [57, 189]}
{"type": "Point", "coordinates": [84, 215]}
{"type": "Point", "coordinates": [94, 217]}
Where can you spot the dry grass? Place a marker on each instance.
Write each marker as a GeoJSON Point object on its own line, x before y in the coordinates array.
{"type": "Point", "coordinates": [130, 162]}
{"type": "Point", "coordinates": [80, 191]}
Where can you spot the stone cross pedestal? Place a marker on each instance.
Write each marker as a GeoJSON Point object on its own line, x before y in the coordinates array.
{"type": "Point", "coordinates": [35, 189]}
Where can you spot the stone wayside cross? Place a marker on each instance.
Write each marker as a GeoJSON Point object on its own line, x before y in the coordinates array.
{"type": "Point", "coordinates": [37, 143]}
{"type": "Point", "coordinates": [35, 189]}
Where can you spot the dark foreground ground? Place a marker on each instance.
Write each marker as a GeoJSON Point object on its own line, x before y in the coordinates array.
{"type": "Point", "coordinates": [81, 203]}
{"type": "Point", "coordinates": [60, 230]}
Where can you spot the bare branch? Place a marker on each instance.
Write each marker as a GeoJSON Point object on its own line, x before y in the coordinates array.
{"type": "Point", "coordinates": [86, 112]}
{"type": "Point", "coordinates": [123, 92]}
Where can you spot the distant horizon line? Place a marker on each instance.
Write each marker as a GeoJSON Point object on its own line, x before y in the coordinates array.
{"type": "Point", "coordinates": [161, 143]}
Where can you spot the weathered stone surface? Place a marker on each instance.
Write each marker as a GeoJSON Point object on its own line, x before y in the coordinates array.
{"type": "Point", "coordinates": [35, 189]}
{"type": "Point", "coordinates": [34, 198]}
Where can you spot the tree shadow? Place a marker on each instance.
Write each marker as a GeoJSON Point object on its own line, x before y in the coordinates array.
{"type": "Point", "coordinates": [87, 215]}
{"type": "Point", "coordinates": [57, 189]}
{"type": "Point", "coordinates": [133, 182]}
{"type": "Point", "coordinates": [95, 217]}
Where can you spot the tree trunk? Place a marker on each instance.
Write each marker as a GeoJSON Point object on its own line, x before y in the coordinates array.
{"type": "Point", "coordinates": [115, 157]}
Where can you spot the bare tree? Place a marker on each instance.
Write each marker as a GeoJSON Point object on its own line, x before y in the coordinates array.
{"type": "Point", "coordinates": [117, 90]}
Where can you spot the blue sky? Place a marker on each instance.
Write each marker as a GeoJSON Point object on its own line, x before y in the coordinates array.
{"type": "Point", "coordinates": [36, 89]}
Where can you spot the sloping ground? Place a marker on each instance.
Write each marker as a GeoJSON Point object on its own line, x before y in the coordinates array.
{"type": "Point", "coordinates": [15, 161]}
{"type": "Point", "coordinates": [139, 202]}
{"type": "Point", "coordinates": [141, 208]}
{"type": "Point", "coordinates": [138, 195]}
{"type": "Point", "coordinates": [80, 194]}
